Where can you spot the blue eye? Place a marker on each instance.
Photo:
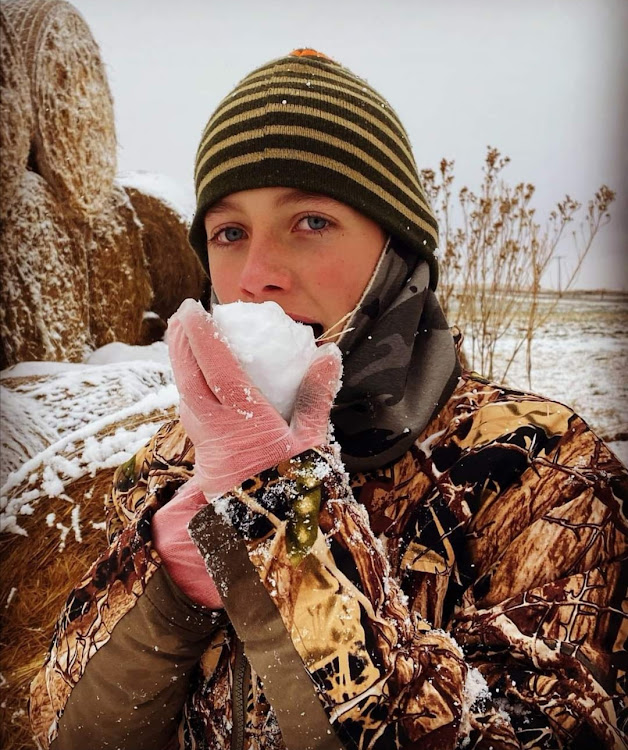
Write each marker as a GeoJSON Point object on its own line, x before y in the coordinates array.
{"type": "Point", "coordinates": [233, 234]}
{"type": "Point", "coordinates": [226, 236]}
{"type": "Point", "coordinates": [317, 223]}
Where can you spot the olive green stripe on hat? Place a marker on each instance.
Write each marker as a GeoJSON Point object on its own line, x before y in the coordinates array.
{"type": "Point", "coordinates": [336, 100]}
{"type": "Point", "coordinates": [306, 122]}
{"type": "Point", "coordinates": [284, 86]}
{"type": "Point", "coordinates": [319, 74]}
{"type": "Point", "coordinates": [293, 112]}
{"type": "Point", "coordinates": [329, 107]}
{"type": "Point", "coordinates": [399, 177]}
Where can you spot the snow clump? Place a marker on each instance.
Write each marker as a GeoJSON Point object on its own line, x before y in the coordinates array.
{"type": "Point", "coordinates": [274, 350]}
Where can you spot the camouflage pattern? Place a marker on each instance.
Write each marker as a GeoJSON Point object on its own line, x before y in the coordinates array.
{"type": "Point", "coordinates": [399, 363]}
{"type": "Point", "coordinates": [500, 532]}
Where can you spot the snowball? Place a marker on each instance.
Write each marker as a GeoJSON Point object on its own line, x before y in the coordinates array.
{"type": "Point", "coordinates": [274, 350]}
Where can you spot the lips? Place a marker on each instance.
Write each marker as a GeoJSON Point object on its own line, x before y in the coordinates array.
{"type": "Point", "coordinates": [316, 327]}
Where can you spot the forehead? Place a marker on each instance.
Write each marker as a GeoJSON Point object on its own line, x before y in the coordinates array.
{"type": "Point", "coordinates": [270, 197]}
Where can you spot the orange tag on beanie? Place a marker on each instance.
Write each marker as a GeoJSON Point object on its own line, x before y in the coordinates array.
{"type": "Point", "coordinates": [308, 52]}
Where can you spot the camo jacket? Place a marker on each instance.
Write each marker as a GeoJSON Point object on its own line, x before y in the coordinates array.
{"type": "Point", "coordinates": [470, 594]}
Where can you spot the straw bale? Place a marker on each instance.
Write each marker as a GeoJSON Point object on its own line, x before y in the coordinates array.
{"type": "Point", "coordinates": [35, 578]}
{"type": "Point", "coordinates": [74, 144]}
{"type": "Point", "coordinates": [16, 114]}
{"type": "Point", "coordinates": [22, 433]}
{"type": "Point", "coordinates": [43, 280]}
{"type": "Point", "coordinates": [73, 412]}
{"type": "Point", "coordinates": [175, 270]}
{"type": "Point", "coordinates": [119, 282]}
{"type": "Point", "coordinates": [57, 497]}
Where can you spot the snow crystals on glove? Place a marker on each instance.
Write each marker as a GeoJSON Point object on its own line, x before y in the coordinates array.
{"type": "Point", "coordinates": [274, 350]}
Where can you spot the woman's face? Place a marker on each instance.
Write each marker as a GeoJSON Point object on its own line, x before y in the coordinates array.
{"type": "Point", "coordinates": [309, 253]}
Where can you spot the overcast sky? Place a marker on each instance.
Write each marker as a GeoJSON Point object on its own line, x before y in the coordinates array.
{"type": "Point", "coordinates": [542, 80]}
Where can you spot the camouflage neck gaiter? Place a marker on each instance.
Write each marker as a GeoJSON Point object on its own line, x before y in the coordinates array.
{"type": "Point", "coordinates": [400, 363]}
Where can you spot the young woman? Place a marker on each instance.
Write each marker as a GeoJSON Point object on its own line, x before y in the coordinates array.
{"type": "Point", "coordinates": [444, 572]}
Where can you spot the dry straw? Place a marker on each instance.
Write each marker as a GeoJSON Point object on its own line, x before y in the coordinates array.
{"type": "Point", "coordinates": [35, 579]}
{"type": "Point", "coordinates": [74, 136]}
{"type": "Point", "coordinates": [119, 282]}
{"type": "Point", "coordinates": [43, 280]}
{"type": "Point", "coordinates": [16, 115]}
{"type": "Point", "coordinates": [175, 270]}
{"type": "Point", "coordinates": [64, 537]}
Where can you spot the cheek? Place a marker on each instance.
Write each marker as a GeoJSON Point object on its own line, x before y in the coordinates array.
{"type": "Point", "coordinates": [339, 286]}
{"type": "Point", "coordinates": [224, 279]}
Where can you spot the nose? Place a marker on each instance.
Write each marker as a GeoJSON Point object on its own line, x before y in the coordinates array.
{"type": "Point", "coordinates": [266, 269]}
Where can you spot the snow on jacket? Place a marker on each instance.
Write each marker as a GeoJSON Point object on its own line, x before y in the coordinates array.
{"type": "Point", "coordinates": [371, 608]}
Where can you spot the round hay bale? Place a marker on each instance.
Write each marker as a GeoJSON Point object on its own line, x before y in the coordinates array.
{"type": "Point", "coordinates": [43, 280]}
{"type": "Point", "coordinates": [74, 138]}
{"type": "Point", "coordinates": [119, 282]}
{"type": "Point", "coordinates": [53, 505]}
{"type": "Point", "coordinates": [87, 419]}
{"type": "Point", "coordinates": [175, 270]}
{"type": "Point", "coordinates": [16, 114]}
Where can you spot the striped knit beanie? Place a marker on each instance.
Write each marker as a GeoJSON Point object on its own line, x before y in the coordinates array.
{"type": "Point", "coordinates": [304, 121]}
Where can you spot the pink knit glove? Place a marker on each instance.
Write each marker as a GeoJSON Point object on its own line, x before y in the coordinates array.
{"type": "Point", "coordinates": [236, 432]}
{"type": "Point", "coordinates": [183, 561]}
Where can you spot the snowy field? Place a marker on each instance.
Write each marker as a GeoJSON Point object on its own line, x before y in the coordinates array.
{"type": "Point", "coordinates": [580, 358]}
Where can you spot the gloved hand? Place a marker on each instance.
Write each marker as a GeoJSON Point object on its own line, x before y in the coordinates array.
{"type": "Point", "coordinates": [183, 561]}
{"type": "Point", "coordinates": [236, 432]}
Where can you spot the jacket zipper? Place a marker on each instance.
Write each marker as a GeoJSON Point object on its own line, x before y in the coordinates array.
{"type": "Point", "coordinates": [239, 695]}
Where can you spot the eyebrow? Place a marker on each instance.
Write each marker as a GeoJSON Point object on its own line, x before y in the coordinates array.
{"type": "Point", "coordinates": [294, 195]}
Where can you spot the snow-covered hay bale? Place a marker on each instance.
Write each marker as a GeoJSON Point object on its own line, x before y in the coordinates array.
{"type": "Point", "coordinates": [74, 135]}
{"type": "Point", "coordinates": [43, 280]}
{"type": "Point", "coordinates": [16, 115]}
{"type": "Point", "coordinates": [22, 433]}
{"type": "Point", "coordinates": [51, 507]}
{"type": "Point", "coordinates": [90, 416]}
{"type": "Point", "coordinates": [119, 282]}
{"type": "Point", "coordinates": [175, 270]}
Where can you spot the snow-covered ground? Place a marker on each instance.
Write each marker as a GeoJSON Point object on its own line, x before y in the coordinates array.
{"type": "Point", "coordinates": [580, 358]}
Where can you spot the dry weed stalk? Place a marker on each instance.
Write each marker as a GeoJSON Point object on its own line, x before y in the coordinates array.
{"type": "Point", "coordinates": [494, 254]}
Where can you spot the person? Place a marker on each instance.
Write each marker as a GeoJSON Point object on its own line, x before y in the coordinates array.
{"type": "Point", "coordinates": [442, 568]}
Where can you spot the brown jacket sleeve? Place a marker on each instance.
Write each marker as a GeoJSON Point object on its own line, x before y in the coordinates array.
{"type": "Point", "coordinates": [131, 692]}
{"type": "Point", "coordinates": [127, 639]}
